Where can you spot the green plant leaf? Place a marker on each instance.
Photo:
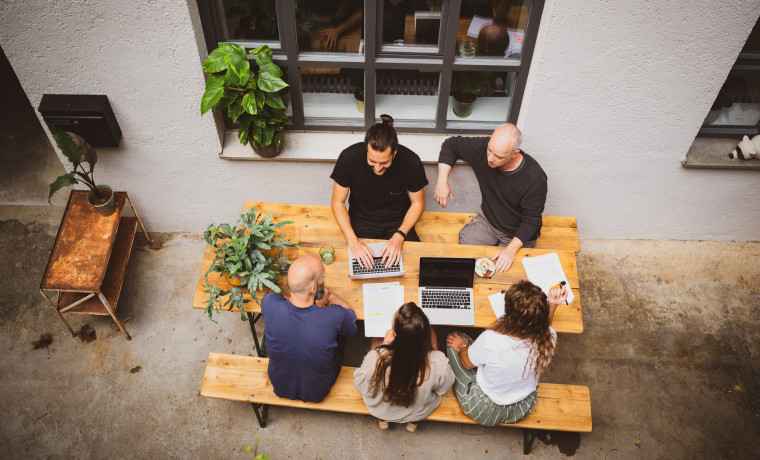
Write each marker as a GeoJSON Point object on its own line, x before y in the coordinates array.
{"type": "Point", "coordinates": [214, 92]}
{"type": "Point", "coordinates": [66, 144]}
{"type": "Point", "coordinates": [266, 138]}
{"type": "Point", "coordinates": [263, 54]}
{"type": "Point", "coordinates": [274, 100]}
{"type": "Point", "coordinates": [235, 110]}
{"type": "Point", "coordinates": [270, 69]}
{"type": "Point", "coordinates": [219, 59]}
{"type": "Point", "coordinates": [239, 67]}
{"type": "Point", "coordinates": [271, 83]}
{"type": "Point", "coordinates": [62, 181]}
{"type": "Point", "coordinates": [249, 103]}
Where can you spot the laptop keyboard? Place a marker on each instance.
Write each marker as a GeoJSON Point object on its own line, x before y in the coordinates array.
{"type": "Point", "coordinates": [446, 298]}
{"type": "Point", "coordinates": [377, 267]}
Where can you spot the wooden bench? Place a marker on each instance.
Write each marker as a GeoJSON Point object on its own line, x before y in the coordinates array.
{"type": "Point", "coordinates": [244, 378]}
{"type": "Point", "coordinates": [557, 233]}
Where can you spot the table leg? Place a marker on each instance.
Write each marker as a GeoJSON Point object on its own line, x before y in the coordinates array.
{"type": "Point", "coordinates": [260, 348]}
{"type": "Point", "coordinates": [58, 313]}
{"type": "Point", "coordinates": [113, 315]}
{"type": "Point", "coordinates": [529, 436]}
{"type": "Point", "coordinates": [139, 221]}
{"type": "Point", "coordinates": [263, 415]}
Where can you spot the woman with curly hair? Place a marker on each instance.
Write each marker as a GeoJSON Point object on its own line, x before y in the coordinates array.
{"type": "Point", "coordinates": [403, 378]}
{"type": "Point", "coordinates": [509, 356]}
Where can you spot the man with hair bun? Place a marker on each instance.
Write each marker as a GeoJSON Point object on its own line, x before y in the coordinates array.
{"type": "Point", "coordinates": [386, 182]}
{"type": "Point", "coordinates": [512, 187]}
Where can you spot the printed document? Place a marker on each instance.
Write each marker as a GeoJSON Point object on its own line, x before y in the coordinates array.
{"type": "Point", "coordinates": [545, 271]}
{"type": "Point", "coordinates": [381, 300]}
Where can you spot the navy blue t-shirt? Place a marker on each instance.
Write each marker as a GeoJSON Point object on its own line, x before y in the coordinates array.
{"type": "Point", "coordinates": [301, 344]}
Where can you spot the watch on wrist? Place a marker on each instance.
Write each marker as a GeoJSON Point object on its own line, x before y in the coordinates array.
{"type": "Point", "coordinates": [462, 346]}
{"type": "Point", "coordinates": [403, 235]}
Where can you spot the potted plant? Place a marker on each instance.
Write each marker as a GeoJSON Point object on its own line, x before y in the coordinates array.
{"type": "Point", "coordinates": [465, 88]}
{"type": "Point", "coordinates": [78, 151]}
{"type": "Point", "coordinates": [245, 255]}
{"type": "Point", "coordinates": [356, 83]}
{"type": "Point", "coordinates": [249, 95]}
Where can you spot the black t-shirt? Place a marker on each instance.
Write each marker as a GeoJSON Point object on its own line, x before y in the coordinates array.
{"type": "Point", "coordinates": [378, 202]}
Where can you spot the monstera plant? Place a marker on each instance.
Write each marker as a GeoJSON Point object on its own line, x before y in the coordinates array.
{"type": "Point", "coordinates": [249, 93]}
{"type": "Point", "coordinates": [248, 254]}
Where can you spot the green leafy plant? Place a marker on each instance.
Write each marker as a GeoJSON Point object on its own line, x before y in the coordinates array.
{"type": "Point", "coordinates": [467, 86]}
{"type": "Point", "coordinates": [78, 152]}
{"type": "Point", "coordinates": [250, 95]}
{"type": "Point", "coordinates": [246, 253]}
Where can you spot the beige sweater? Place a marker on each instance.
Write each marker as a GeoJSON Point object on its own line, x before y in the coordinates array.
{"type": "Point", "coordinates": [439, 380]}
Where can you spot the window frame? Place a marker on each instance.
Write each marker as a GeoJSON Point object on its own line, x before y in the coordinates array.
{"type": "Point", "coordinates": [376, 57]}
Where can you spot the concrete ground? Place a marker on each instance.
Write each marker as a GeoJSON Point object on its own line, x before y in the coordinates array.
{"type": "Point", "coordinates": [669, 353]}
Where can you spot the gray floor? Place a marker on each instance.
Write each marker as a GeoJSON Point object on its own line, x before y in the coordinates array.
{"type": "Point", "coordinates": [669, 353]}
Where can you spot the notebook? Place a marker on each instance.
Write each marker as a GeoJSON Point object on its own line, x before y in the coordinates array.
{"type": "Point", "coordinates": [445, 291]}
{"type": "Point", "coordinates": [378, 270]}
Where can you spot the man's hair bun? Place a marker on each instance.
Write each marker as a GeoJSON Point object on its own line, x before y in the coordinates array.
{"type": "Point", "coordinates": [387, 119]}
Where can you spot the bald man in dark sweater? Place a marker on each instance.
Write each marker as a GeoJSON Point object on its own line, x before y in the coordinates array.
{"type": "Point", "coordinates": [513, 188]}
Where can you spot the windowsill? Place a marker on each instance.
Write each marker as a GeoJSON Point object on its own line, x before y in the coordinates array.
{"type": "Point", "coordinates": [326, 146]}
{"type": "Point", "coordinates": [713, 154]}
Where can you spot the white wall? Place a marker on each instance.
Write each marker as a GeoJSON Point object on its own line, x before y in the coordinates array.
{"type": "Point", "coordinates": [615, 98]}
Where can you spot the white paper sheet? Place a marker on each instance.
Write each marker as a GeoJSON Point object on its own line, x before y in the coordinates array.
{"type": "Point", "coordinates": [381, 300]}
{"type": "Point", "coordinates": [545, 271]}
{"type": "Point", "coordinates": [476, 24]}
{"type": "Point", "coordinates": [497, 303]}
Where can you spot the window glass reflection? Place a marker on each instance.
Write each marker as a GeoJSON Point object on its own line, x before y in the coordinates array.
{"type": "Point", "coordinates": [411, 22]}
{"type": "Point", "coordinates": [409, 95]}
{"type": "Point", "coordinates": [330, 25]}
{"type": "Point", "coordinates": [249, 20]}
{"type": "Point", "coordinates": [480, 96]}
{"type": "Point", "coordinates": [332, 93]}
{"type": "Point", "coordinates": [492, 28]}
{"type": "Point", "coordinates": [737, 103]}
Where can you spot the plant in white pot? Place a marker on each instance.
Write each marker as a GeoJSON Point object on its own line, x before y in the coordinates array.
{"type": "Point", "coordinates": [79, 152]}
{"type": "Point", "coordinates": [250, 95]}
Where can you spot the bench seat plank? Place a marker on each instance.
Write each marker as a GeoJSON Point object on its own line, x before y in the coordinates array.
{"type": "Point", "coordinates": [245, 379]}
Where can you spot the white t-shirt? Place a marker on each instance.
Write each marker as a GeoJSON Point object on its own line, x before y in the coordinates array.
{"type": "Point", "coordinates": [502, 374]}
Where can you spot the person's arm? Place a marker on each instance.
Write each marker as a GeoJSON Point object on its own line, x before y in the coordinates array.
{"type": "Point", "coordinates": [391, 251]}
{"type": "Point", "coordinates": [331, 298]}
{"type": "Point", "coordinates": [362, 252]}
{"type": "Point", "coordinates": [504, 257]}
{"type": "Point", "coordinates": [331, 35]}
{"type": "Point", "coordinates": [556, 296]}
{"type": "Point", "coordinates": [457, 342]}
{"type": "Point", "coordinates": [442, 189]}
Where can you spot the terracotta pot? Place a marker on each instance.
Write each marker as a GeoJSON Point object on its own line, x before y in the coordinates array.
{"type": "Point", "coordinates": [104, 208]}
{"type": "Point", "coordinates": [235, 281]}
{"type": "Point", "coordinates": [270, 151]}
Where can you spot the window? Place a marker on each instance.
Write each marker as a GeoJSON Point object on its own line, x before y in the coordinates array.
{"type": "Point", "coordinates": [348, 61]}
{"type": "Point", "coordinates": [736, 110]}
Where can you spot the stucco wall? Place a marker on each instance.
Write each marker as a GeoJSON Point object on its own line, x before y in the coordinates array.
{"type": "Point", "coordinates": [614, 100]}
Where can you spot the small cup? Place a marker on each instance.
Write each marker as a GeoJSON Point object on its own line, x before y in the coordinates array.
{"type": "Point", "coordinates": [327, 254]}
{"type": "Point", "coordinates": [485, 267]}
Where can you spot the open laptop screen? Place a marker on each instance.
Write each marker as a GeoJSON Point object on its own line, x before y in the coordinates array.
{"type": "Point", "coordinates": [446, 272]}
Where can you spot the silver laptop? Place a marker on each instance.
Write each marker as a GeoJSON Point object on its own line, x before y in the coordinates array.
{"type": "Point", "coordinates": [378, 270]}
{"type": "Point", "coordinates": [445, 292]}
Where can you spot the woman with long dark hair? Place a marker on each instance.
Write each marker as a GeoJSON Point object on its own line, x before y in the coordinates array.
{"type": "Point", "coordinates": [402, 379]}
{"type": "Point", "coordinates": [509, 356]}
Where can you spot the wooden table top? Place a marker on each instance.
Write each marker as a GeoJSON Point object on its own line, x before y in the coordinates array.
{"type": "Point", "coordinates": [567, 318]}
{"type": "Point", "coordinates": [83, 246]}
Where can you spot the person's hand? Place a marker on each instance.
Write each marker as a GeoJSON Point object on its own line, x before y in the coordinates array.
{"type": "Point", "coordinates": [443, 193]}
{"type": "Point", "coordinates": [557, 295]}
{"type": "Point", "coordinates": [503, 259]}
{"type": "Point", "coordinates": [330, 36]}
{"type": "Point", "coordinates": [391, 251]}
{"type": "Point", "coordinates": [390, 336]}
{"type": "Point", "coordinates": [454, 340]}
{"type": "Point", "coordinates": [363, 253]}
{"type": "Point", "coordinates": [325, 300]}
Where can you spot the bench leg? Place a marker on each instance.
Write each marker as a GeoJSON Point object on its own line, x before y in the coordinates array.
{"type": "Point", "coordinates": [261, 350]}
{"type": "Point", "coordinates": [529, 436]}
{"type": "Point", "coordinates": [262, 415]}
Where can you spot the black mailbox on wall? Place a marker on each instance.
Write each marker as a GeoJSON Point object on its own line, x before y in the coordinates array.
{"type": "Point", "coordinates": [90, 116]}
